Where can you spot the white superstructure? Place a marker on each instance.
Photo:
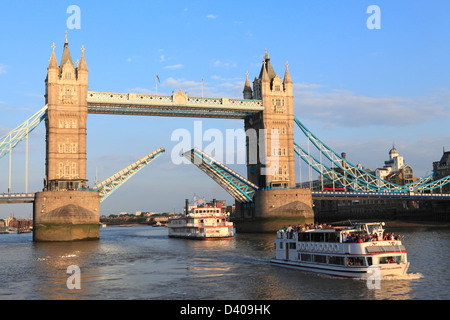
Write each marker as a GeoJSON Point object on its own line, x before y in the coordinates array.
{"type": "Point", "coordinates": [202, 223]}
{"type": "Point", "coordinates": [327, 251]}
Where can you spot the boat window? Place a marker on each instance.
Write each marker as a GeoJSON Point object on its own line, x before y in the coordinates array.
{"type": "Point", "coordinates": [336, 260]}
{"type": "Point", "coordinates": [306, 257]}
{"type": "Point", "coordinates": [320, 258]}
{"type": "Point", "coordinates": [303, 236]}
{"type": "Point", "coordinates": [355, 261]}
{"type": "Point", "coordinates": [332, 237]}
{"type": "Point", "coordinates": [281, 245]}
{"type": "Point", "coordinates": [392, 259]}
{"type": "Point", "coordinates": [292, 245]}
{"type": "Point", "coordinates": [317, 237]}
{"type": "Point", "coordinates": [369, 261]}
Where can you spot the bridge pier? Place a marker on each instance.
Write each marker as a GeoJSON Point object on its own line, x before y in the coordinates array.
{"type": "Point", "coordinates": [274, 209]}
{"type": "Point", "coordinates": [66, 216]}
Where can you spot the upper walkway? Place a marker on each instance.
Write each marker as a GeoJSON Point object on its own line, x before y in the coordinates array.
{"type": "Point", "coordinates": [176, 105]}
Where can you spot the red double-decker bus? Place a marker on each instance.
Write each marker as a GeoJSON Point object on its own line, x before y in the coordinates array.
{"type": "Point", "coordinates": [334, 189]}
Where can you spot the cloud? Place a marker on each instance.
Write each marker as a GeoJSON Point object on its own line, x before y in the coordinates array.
{"type": "Point", "coordinates": [2, 69]}
{"type": "Point", "coordinates": [140, 90]}
{"type": "Point", "coordinates": [162, 58]}
{"type": "Point", "coordinates": [342, 107]}
{"type": "Point", "coordinates": [181, 83]}
{"type": "Point", "coordinates": [219, 63]}
{"type": "Point", "coordinates": [176, 66]}
{"type": "Point", "coordinates": [302, 86]}
{"type": "Point", "coordinates": [211, 16]}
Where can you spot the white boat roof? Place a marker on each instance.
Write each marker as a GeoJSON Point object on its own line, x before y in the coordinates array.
{"type": "Point", "coordinates": [343, 227]}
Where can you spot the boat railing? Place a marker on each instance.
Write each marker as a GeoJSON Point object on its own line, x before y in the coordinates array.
{"type": "Point", "coordinates": [223, 224]}
{"type": "Point", "coordinates": [350, 247]}
{"type": "Point", "coordinates": [281, 234]}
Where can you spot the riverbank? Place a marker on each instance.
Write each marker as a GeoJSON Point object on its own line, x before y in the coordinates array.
{"type": "Point", "coordinates": [416, 224]}
{"type": "Point", "coordinates": [400, 223]}
{"type": "Point", "coordinates": [127, 225]}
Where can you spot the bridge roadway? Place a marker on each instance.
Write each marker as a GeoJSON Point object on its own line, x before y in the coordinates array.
{"type": "Point", "coordinates": [176, 105]}
{"type": "Point", "coordinates": [316, 195]}
{"type": "Point", "coordinates": [16, 198]}
{"type": "Point", "coordinates": [341, 195]}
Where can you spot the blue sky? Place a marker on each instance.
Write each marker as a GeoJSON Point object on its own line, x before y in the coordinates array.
{"type": "Point", "coordinates": [357, 89]}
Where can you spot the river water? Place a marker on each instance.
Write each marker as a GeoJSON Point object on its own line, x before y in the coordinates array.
{"type": "Point", "coordinates": [143, 263]}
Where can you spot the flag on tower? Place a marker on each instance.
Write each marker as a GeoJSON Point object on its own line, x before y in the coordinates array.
{"type": "Point", "coordinates": [158, 78]}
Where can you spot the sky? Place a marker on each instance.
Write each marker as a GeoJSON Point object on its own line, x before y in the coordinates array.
{"type": "Point", "coordinates": [359, 89]}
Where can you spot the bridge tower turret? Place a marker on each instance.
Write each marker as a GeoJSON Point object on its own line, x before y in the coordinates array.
{"type": "Point", "coordinates": [276, 165]}
{"type": "Point", "coordinates": [270, 134]}
{"type": "Point", "coordinates": [63, 211]}
{"type": "Point", "coordinates": [66, 93]}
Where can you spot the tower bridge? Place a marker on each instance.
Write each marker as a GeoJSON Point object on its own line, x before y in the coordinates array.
{"type": "Point", "coordinates": [67, 210]}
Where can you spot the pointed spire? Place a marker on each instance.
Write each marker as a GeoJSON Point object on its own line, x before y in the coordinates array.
{"type": "Point", "coordinates": [268, 67]}
{"type": "Point", "coordinates": [265, 76]}
{"type": "Point", "coordinates": [247, 82]}
{"type": "Point", "coordinates": [287, 76]}
{"type": "Point", "coordinates": [66, 54]}
{"type": "Point", "coordinates": [53, 63]}
{"type": "Point", "coordinates": [82, 65]}
{"type": "Point", "coordinates": [247, 88]}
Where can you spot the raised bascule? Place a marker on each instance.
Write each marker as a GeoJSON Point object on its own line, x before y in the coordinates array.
{"type": "Point", "coordinates": [67, 210]}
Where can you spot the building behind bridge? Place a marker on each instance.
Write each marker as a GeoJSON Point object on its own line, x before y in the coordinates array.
{"type": "Point", "coordinates": [442, 169]}
{"type": "Point", "coordinates": [394, 170]}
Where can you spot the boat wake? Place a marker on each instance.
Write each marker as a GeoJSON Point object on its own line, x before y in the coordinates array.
{"type": "Point", "coordinates": [407, 276]}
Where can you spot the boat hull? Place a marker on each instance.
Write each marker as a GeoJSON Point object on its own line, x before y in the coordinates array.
{"type": "Point", "coordinates": [201, 238]}
{"type": "Point", "coordinates": [397, 269]}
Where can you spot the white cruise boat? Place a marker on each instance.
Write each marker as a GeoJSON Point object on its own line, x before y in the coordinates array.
{"type": "Point", "coordinates": [202, 223]}
{"type": "Point", "coordinates": [327, 251]}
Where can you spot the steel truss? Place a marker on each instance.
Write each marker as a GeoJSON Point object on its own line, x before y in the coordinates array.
{"type": "Point", "coordinates": [237, 186]}
{"type": "Point", "coordinates": [108, 186]}
{"type": "Point", "coordinates": [10, 140]}
{"type": "Point", "coordinates": [354, 176]}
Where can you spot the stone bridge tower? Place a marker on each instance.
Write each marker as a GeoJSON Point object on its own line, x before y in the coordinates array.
{"type": "Point", "coordinates": [64, 211]}
{"type": "Point", "coordinates": [270, 134]}
{"type": "Point", "coordinates": [66, 93]}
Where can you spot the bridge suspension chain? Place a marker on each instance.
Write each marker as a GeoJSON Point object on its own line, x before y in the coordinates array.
{"type": "Point", "coordinates": [332, 175]}
{"type": "Point", "coordinates": [352, 170]}
{"type": "Point", "coordinates": [11, 139]}
{"type": "Point", "coordinates": [356, 176]}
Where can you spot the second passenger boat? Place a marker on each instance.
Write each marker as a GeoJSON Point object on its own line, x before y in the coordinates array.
{"type": "Point", "coordinates": [202, 223]}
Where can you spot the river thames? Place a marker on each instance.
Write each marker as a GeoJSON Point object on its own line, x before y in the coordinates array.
{"type": "Point", "coordinates": [141, 263]}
